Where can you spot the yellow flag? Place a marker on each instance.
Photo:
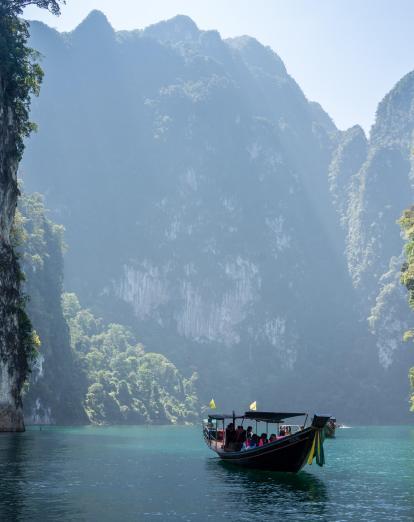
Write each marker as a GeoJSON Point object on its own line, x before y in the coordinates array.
{"type": "Point", "coordinates": [212, 404]}
{"type": "Point", "coordinates": [253, 406]}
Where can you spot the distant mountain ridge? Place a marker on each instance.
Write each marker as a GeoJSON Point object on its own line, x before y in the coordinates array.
{"type": "Point", "coordinates": [209, 204]}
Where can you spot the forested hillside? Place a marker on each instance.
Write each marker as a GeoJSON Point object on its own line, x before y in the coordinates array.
{"type": "Point", "coordinates": [126, 385]}
{"type": "Point", "coordinates": [222, 218]}
{"type": "Point", "coordinates": [85, 370]}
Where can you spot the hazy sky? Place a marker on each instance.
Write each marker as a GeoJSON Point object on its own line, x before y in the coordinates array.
{"type": "Point", "coordinates": [345, 54]}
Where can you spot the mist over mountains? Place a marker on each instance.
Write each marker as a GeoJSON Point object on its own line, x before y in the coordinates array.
{"type": "Point", "coordinates": [219, 214]}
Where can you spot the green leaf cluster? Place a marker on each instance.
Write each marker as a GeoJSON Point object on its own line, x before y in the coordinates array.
{"type": "Point", "coordinates": [20, 74]}
{"type": "Point", "coordinates": [126, 385]}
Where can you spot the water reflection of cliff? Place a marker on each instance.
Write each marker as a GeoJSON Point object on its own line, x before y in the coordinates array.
{"type": "Point", "coordinates": [266, 494]}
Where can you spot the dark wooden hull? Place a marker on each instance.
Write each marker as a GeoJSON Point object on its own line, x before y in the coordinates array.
{"type": "Point", "coordinates": [287, 454]}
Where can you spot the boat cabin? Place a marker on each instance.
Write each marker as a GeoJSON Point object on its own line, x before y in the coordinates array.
{"type": "Point", "coordinates": [221, 430]}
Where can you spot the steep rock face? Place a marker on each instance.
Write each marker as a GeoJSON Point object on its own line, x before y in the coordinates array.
{"type": "Point", "coordinates": [371, 183]}
{"type": "Point", "coordinates": [380, 185]}
{"type": "Point", "coordinates": [54, 393]}
{"type": "Point", "coordinates": [191, 174]}
{"type": "Point", "coordinates": [346, 161]}
{"type": "Point", "coordinates": [13, 364]}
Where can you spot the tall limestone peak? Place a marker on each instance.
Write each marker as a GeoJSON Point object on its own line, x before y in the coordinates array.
{"type": "Point", "coordinates": [395, 115]}
{"type": "Point", "coordinates": [95, 26]}
{"type": "Point", "coordinates": [257, 55]}
{"type": "Point", "coordinates": [181, 28]}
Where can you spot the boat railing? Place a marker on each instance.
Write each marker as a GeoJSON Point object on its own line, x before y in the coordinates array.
{"type": "Point", "coordinates": [213, 436]}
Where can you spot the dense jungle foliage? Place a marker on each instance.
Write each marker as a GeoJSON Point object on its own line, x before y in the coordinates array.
{"type": "Point", "coordinates": [126, 385]}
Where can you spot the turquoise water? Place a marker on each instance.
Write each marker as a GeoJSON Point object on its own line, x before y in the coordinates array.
{"type": "Point", "coordinates": [166, 473]}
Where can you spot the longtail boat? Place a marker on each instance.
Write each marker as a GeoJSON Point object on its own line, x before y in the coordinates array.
{"type": "Point", "coordinates": [288, 453]}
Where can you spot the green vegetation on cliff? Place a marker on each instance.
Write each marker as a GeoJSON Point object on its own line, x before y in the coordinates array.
{"type": "Point", "coordinates": [407, 276]}
{"type": "Point", "coordinates": [85, 369]}
{"type": "Point", "coordinates": [53, 394]}
{"type": "Point", "coordinates": [126, 385]}
{"type": "Point", "coordinates": [20, 78]}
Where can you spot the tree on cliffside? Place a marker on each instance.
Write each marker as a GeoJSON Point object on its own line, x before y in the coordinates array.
{"type": "Point", "coordinates": [407, 276]}
{"type": "Point", "coordinates": [20, 77]}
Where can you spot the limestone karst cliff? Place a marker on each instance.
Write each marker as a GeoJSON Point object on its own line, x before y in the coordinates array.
{"type": "Point", "coordinates": [372, 182]}
{"type": "Point", "coordinates": [14, 325]}
{"type": "Point", "coordinates": [20, 77]}
{"type": "Point", "coordinates": [219, 214]}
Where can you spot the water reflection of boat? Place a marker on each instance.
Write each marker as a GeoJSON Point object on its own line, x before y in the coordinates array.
{"type": "Point", "coordinates": [286, 453]}
{"type": "Point", "coordinates": [303, 486]}
{"type": "Point", "coordinates": [254, 494]}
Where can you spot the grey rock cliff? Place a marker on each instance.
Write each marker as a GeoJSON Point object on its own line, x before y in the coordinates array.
{"type": "Point", "coordinates": [13, 366]}
{"type": "Point", "coordinates": [192, 176]}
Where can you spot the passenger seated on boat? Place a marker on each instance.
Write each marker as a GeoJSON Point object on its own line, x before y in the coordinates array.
{"type": "Point", "coordinates": [249, 433]}
{"type": "Point", "coordinates": [230, 437]}
{"type": "Point", "coordinates": [245, 446]}
{"type": "Point", "coordinates": [282, 433]}
{"type": "Point", "coordinates": [241, 434]}
{"type": "Point", "coordinates": [240, 437]}
{"type": "Point", "coordinates": [272, 437]}
{"type": "Point", "coordinates": [254, 442]}
{"type": "Point", "coordinates": [263, 439]}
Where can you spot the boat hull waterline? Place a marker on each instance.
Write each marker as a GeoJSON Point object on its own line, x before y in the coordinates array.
{"type": "Point", "coordinates": [288, 454]}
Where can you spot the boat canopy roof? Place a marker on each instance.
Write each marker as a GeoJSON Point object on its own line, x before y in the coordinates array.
{"type": "Point", "coordinates": [270, 416]}
{"type": "Point", "coordinates": [224, 416]}
{"type": "Point", "coordinates": [260, 416]}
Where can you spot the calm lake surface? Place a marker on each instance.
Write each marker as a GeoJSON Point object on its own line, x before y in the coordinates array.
{"type": "Point", "coordinates": [166, 473]}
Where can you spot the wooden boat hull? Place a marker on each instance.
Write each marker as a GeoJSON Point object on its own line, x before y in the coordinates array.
{"type": "Point", "coordinates": [287, 454]}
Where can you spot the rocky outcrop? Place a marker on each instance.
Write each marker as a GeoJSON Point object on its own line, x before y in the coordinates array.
{"type": "Point", "coordinates": [13, 321]}
{"type": "Point", "coordinates": [371, 182]}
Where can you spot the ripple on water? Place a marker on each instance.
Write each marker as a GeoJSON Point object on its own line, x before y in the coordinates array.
{"type": "Point", "coordinates": [166, 473]}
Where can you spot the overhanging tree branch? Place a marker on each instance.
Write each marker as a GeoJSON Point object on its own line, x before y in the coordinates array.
{"type": "Point", "coordinates": [17, 6]}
